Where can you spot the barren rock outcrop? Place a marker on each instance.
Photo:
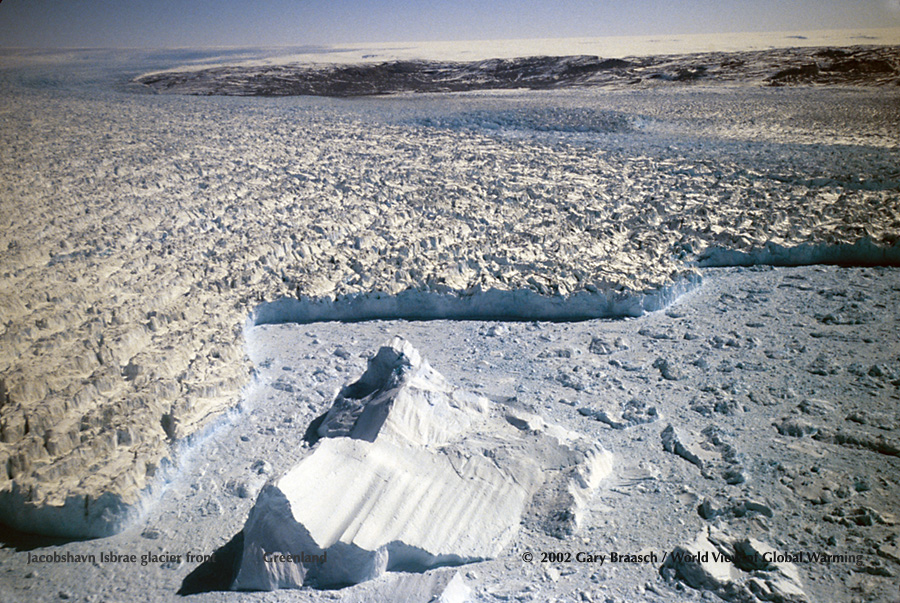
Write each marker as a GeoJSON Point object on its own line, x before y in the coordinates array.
{"type": "Point", "coordinates": [775, 67]}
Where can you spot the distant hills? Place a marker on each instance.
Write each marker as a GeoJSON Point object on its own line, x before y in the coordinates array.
{"type": "Point", "coordinates": [854, 66]}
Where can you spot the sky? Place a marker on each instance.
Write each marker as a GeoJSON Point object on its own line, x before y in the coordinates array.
{"type": "Point", "coordinates": [205, 23]}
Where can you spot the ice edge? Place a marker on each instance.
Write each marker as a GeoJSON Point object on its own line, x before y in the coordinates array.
{"type": "Point", "coordinates": [490, 304]}
{"type": "Point", "coordinates": [82, 518]}
{"type": "Point", "coordinates": [863, 252]}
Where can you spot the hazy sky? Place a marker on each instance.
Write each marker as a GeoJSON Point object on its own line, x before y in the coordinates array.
{"type": "Point", "coordinates": [181, 23]}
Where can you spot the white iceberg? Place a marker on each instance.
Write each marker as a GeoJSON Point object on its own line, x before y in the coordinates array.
{"type": "Point", "coordinates": [411, 474]}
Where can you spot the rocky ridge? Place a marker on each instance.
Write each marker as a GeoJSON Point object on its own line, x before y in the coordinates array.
{"type": "Point", "coordinates": [861, 65]}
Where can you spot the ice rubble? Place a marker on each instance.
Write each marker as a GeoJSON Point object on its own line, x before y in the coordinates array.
{"type": "Point", "coordinates": [446, 586]}
{"type": "Point", "coordinates": [411, 473]}
{"type": "Point", "coordinates": [130, 259]}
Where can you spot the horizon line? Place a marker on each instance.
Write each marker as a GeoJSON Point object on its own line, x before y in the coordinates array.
{"type": "Point", "coordinates": [350, 45]}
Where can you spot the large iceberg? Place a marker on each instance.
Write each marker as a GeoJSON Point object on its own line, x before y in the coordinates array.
{"type": "Point", "coordinates": [411, 473]}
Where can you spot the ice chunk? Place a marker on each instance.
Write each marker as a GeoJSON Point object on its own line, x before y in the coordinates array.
{"type": "Point", "coordinates": [389, 399]}
{"type": "Point", "coordinates": [736, 569]}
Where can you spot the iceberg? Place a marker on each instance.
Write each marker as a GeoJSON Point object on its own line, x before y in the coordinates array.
{"type": "Point", "coordinates": [410, 473]}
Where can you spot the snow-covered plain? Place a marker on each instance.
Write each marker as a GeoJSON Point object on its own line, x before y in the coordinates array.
{"type": "Point", "coordinates": [147, 238]}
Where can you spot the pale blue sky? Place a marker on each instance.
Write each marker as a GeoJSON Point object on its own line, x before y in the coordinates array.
{"type": "Point", "coordinates": [184, 23]}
